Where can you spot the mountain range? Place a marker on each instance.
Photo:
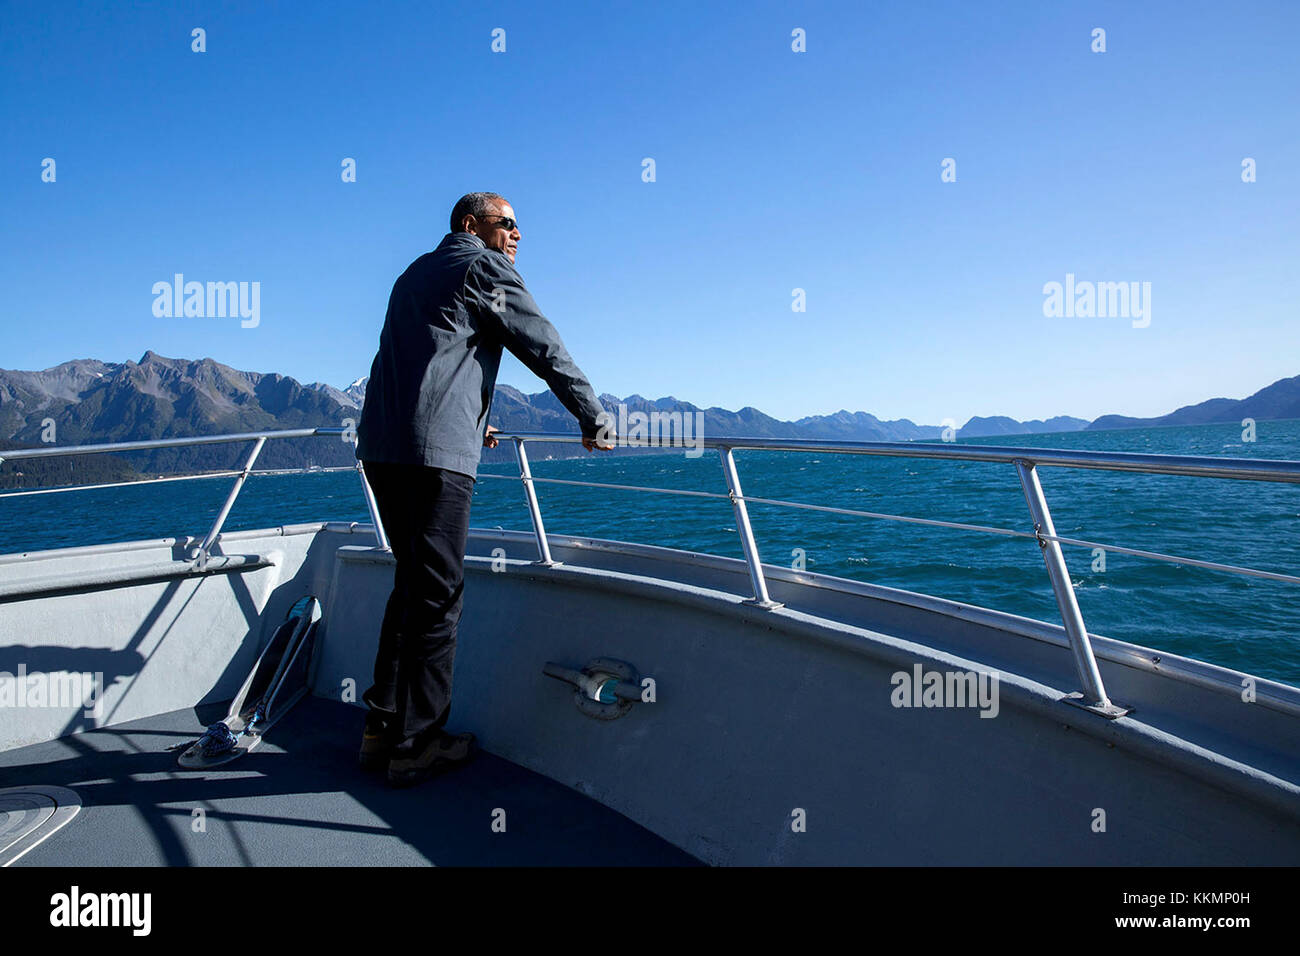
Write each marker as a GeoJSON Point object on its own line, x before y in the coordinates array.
{"type": "Point", "coordinates": [752, 423]}
{"type": "Point", "coordinates": [89, 401]}
{"type": "Point", "coordinates": [1277, 401]}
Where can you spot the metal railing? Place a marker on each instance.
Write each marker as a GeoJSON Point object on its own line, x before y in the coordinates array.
{"type": "Point", "coordinates": [259, 439]}
{"type": "Point", "coordinates": [1026, 462]}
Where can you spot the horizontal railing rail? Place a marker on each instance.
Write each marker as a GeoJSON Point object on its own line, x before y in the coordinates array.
{"type": "Point", "coordinates": [1025, 460]}
{"type": "Point", "coordinates": [55, 451]}
{"type": "Point", "coordinates": [1247, 469]}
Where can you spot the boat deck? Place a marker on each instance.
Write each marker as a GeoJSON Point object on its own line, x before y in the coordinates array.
{"type": "Point", "coordinates": [300, 799]}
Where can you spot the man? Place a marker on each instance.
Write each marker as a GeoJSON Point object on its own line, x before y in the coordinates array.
{"type": "Point", "coordinates": [421, 433]}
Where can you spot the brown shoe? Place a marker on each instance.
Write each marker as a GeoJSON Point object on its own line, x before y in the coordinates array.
{"type": "Point", "coordinates": [374, 744]}
{"type": "Point", "coordinates": [445, 752]}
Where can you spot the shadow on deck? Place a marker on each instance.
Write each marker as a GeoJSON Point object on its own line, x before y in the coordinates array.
{"type": "Point", "coordinates": [301, 800]}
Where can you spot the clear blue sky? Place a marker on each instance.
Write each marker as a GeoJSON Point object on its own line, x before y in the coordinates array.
{"type": "Point", "coordinates": [775, 170]}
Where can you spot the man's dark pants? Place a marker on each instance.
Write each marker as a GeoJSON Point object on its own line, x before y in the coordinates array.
{"type": "Point", "coordinates": [425, 512]}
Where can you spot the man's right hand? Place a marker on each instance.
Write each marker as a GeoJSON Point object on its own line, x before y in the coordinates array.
{"type": "Point", "coordinates": [599, 444]}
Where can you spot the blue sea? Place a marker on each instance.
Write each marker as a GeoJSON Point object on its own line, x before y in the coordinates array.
{"type": "Point", "coordinates": [1245, 623]}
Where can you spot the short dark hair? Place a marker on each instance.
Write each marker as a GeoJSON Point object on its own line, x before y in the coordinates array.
{"type": "Point", "coordinates": [477, 205]}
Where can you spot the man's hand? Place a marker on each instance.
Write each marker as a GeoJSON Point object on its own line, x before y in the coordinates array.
{"type": "Point", "coordinates": [488, 440]}
{"type": "Point", "coordinates": [599, 444]}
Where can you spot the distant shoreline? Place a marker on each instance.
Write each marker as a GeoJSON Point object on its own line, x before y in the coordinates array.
{"type": "Point", "coordinates": [155, 478]}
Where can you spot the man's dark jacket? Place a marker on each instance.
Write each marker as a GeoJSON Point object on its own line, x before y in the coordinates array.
{"type": "Point", "coordinates": [431, 383]}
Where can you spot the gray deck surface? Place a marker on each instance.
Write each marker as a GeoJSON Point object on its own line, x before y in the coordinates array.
{"type": "Point", "coordinates": [300, 799]}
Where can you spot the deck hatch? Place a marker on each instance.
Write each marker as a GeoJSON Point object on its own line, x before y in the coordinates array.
{"type": "Point", "coordinates": [31, 815]}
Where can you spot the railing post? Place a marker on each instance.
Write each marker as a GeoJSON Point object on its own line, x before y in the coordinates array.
{"type": "Point", "coordinates": [746, 532]}
{"type": "Point", "coordinates": [201, 558]}
{"type": "Point", "coordinates": [1094, 692]}
{"type": "Point", "coordinates": [381, 538]}
{"type": "Point", "coordinates": [534, 509]}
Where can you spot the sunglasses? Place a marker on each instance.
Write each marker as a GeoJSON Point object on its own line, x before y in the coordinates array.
{"type": "Point", "coordinates": [507, 223]}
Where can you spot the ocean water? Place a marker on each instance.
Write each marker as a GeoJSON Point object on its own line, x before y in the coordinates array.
{"type": "Point", "coordinates": [1245, 623]}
